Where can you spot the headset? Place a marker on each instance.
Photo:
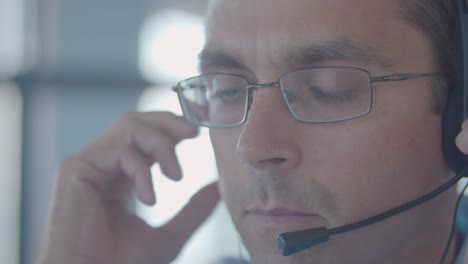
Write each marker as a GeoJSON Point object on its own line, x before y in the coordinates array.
{"type": "Point", "coordinates": [456, 111]}
{"type": "Point", "coordinates": [457, 108]}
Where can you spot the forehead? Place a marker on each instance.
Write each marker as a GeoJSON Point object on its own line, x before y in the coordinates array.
{"type": "Point", "coordinates": [262, 32]}
{"type": "Point", "coordinates": [277, 12]}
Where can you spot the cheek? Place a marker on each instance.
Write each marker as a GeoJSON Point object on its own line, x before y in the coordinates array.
{"type": "Point", "coordinates": [224, 143]}
{"type": "Point", "coordinates": [364, 166]}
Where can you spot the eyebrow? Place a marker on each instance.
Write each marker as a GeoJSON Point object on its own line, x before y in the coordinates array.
{"type": "Point", "coordinates": [335, 50]}
{"type": "Point", "coordinates": [305, 55]}
{"type": "Point", "coordinates": [219, 58]}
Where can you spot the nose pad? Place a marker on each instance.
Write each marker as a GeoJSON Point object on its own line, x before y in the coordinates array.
{"type": "Point", "coordinates": [255, 87]}
{"type": "Point", "coordinates": [250, 99]}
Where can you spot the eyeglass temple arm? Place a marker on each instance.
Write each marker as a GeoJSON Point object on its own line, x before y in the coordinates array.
{"type": "Point", "coordinates": [178, 88]}
{"type": "Point", "coordinates": [401, 77]}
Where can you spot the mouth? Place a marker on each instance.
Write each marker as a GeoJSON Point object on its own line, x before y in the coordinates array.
{"type": "Point", "coordinates": [283, 217]}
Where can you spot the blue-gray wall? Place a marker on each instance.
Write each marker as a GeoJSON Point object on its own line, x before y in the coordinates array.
{"type": "Point", "coordinates": [84, 77]}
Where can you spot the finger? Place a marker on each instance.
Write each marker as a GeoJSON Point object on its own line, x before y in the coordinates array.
{"type": "Point", "coordinates": [170, 166]}
{"type": "Point", "coordinates": [176, 126]}
{"type": "Point", "coordinates": [168, 130]}
{"type": "Point", "coordinates": [194, 213]}
{"type": "Point", "coordinates": [138, 168]}
{"type": "Point", "coordinates": [160, 147]}
{"type": "Point", "coordinates": [145, 132]}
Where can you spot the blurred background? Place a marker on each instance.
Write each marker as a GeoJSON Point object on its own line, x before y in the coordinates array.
{"type": "Point", "coordinates": [68, 70]}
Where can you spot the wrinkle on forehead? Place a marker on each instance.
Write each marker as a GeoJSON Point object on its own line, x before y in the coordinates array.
{"type": "Point", "coordinates": [302, 56]}
{"type": "Point", "coordinates": [248, 26]}
{"type": "Point", "coordinates": [266, 32]}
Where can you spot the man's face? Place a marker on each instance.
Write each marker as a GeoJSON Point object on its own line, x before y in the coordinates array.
{"type": "Point", "coordinates": [279, 175]}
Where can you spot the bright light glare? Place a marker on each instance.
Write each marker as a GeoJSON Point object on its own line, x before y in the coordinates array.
{"type": "Point", "coordinates": [169, 45]}
{"type": "Point", "coordinates": [218, 235]}
{"type": "Point", "coordinates": [10, 175]}
{"type": "Point", "coordinates": [196, 158]}
{"type": "Point", "coordinates": [11, 34]}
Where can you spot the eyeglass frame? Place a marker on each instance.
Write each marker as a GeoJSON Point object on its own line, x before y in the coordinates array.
{"type": "Point", "coordinates": [253, 86]}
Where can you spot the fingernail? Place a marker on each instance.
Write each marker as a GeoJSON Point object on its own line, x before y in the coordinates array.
{"type": "Point", "coordinates": [177, 174]}
{"type": "Point", "coordinates": [148, 197]}
{"type": "Point", "coordinates": [172, 172]}
{"type": "Point", "coordinates": [214, 190]}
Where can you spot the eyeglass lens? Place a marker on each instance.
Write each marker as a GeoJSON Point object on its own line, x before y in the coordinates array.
{"type": "Point", "coordinates": [312, 95]}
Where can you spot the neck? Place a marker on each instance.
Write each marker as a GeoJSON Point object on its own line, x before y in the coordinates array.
{"type": "Point", "coordinates": [431, 239]}
{"type": "Point", "coordinates": [454, 250]}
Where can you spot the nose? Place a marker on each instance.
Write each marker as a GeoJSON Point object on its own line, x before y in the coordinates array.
{"type": "Point", "coordinates": [268, 139]}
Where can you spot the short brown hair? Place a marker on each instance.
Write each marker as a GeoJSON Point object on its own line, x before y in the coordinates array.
{"type": "Point", "coordinates": [436, 20]}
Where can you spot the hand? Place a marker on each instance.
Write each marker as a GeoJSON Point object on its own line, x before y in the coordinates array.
{"type": "Point", "coordinates": [89, 222]}
{"type": "Point", "coordinates": [462, 139]}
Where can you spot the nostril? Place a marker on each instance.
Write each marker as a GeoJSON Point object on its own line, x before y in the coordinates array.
{"type": "Point", "coordinates": [274, 161]}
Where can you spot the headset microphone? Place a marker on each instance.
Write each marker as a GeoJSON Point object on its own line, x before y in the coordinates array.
{"type": "Point", "coordinates": [293, 242]}
{"type": "Point", "coordinates": [457, 110]}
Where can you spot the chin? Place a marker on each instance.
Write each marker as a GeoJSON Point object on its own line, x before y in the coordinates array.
{"type": "Point", "coordinates": [278, 259]}
{"type": "Point", "coordinates": [262, 249]}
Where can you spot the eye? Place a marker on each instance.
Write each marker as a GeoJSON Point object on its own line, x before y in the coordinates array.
{"type": "Point", "coordinates": [230, 94]}
{"type": "Point", "coordinates": [332, 95]}
{"type": "Point", "coordinates": [289, 96]}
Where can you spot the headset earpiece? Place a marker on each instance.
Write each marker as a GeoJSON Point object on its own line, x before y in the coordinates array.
{"type": "Point", "coordinates": [456, 104]}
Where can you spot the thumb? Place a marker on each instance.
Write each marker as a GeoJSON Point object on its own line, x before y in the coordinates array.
{"type": "Point", "coordinates": [194, 213]}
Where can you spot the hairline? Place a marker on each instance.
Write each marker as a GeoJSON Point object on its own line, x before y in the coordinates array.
{"type": "Point", "coordinates": [434, 19]}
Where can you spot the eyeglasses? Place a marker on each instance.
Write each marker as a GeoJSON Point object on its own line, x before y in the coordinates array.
{"type": "Point", "coordinates": [312, 95]}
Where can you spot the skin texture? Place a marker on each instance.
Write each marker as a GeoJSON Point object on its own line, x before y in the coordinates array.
{"type": "Point", "coordinates": [339, 173]}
